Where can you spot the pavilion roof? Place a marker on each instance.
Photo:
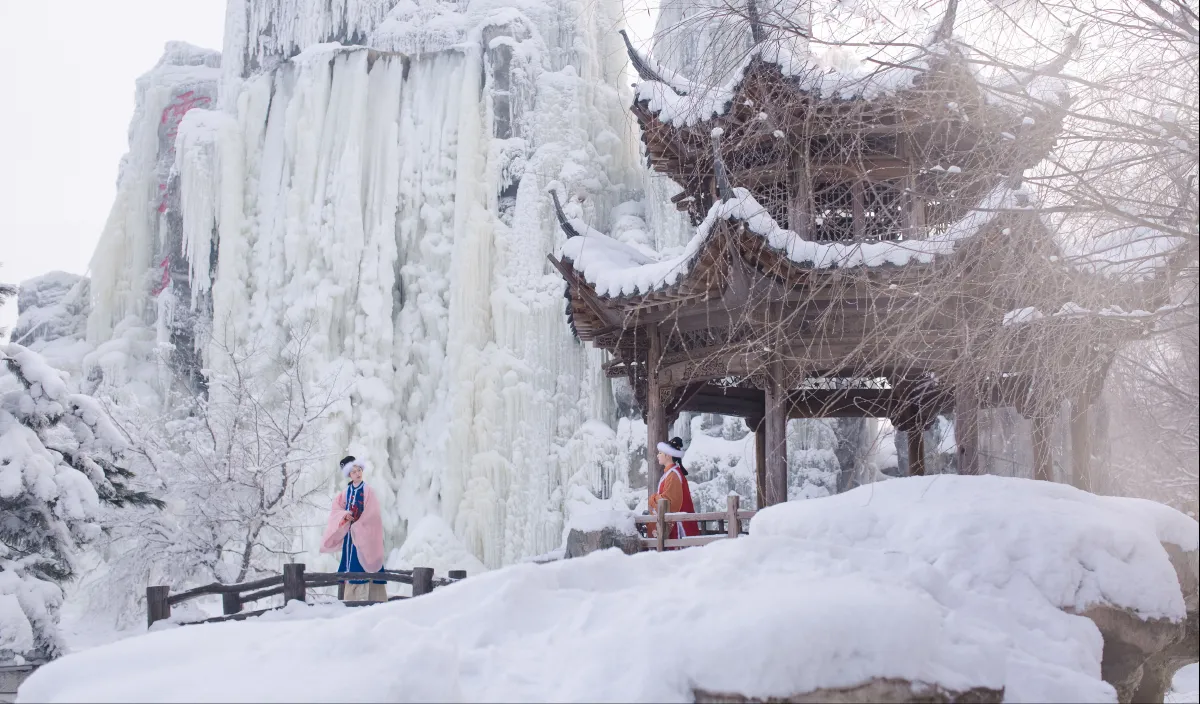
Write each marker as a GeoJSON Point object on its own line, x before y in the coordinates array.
{"type": "Point", "coordinates": [830, 74]}
{"type": "Point", "coordinates": [614, 270]}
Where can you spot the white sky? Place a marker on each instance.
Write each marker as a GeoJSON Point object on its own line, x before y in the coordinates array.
{"type": "Point", "coordinates": [67, 88]}
{"type": "Point", "coordinates": [66, 97]}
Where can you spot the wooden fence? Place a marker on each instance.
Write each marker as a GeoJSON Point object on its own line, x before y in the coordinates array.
{"type": "Point", "coordinates": [729, 525]}
{"type": "Point", "coordinates": [293, 584]}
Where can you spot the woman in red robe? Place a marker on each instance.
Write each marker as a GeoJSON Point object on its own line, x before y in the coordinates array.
{"type": "Point", "coordinates": [674, 488]}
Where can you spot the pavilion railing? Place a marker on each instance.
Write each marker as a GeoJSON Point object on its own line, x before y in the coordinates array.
{"type": "Point", "coordinates": [729, 524]}
{"type": "Point", "coordinates": [293, 585]}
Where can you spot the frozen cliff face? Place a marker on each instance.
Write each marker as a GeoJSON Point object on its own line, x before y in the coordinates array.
{"type": "Point", "coordinates": [138, 267]}
{"type": "Point", "coordinates": [373, 179]}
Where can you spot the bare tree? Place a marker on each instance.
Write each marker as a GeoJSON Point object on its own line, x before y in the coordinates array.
{"type": "Point", "coordinates": [235, 469]}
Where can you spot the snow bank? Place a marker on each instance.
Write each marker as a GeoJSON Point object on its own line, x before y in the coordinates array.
{"type": "Point", "coordinates": [1005, 536]}
{"type": "Point", "coordinates": [1185, 686]}
{"type": "Point", "coordinates": [432, 543]}
{"type": "Point", "coordinates": [953, 581]}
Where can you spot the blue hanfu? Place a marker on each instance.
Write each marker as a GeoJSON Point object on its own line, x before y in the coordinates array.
{"type": "Point", "coordinates": [355, 499]}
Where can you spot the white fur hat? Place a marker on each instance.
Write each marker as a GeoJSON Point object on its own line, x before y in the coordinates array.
{"type": "Point", "coordinates": [350, 462]}
{"type": "Point", "coordinates": [669, 450]}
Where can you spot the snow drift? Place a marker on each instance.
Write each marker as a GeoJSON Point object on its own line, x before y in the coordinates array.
{"type": "Point", "coordinates": [953, 582]}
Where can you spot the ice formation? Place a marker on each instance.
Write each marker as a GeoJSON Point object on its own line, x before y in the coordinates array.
{"type": "Point", "coordinates": [373, 177]}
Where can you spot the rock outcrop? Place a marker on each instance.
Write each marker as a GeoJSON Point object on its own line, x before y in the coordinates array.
{"type": "Point", "coordinates": [884, 691]}
{"type": "Point", "coordinates": [1141, 656]}
{"type": "Point", "coordinates": [580, 542]}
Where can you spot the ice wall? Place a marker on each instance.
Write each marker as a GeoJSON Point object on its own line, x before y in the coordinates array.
{"type": "Point", "coordinates": [387, 200]}
{"type": "Point", "coordinates": [132, 256]}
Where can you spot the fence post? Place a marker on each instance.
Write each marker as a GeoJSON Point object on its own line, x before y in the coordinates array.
{"type": "Point", "coordinates": [293, 582]}
{"type": "Point", "coordinates": [458, 574]}
{"type": "Point", "coordinates": [422, 580]}
{"type": "Point", "coordinates": [661, 523]}
{"type": "Point", "coordinates": [731, 523]}
{"type": "Point", "coordinates": [231, 603]}
{"type": "Point", "coordinates": [157, 606]}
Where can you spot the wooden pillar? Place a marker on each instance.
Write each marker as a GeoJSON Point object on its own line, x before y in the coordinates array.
{"type": "Point", "coordinates": [732, 525]}
{"type": "Point", "coordinates": [422, 580]}
{"type": "Point", "coordinates": [966, 427]}
{"type": "Point", "coordinates": [776, 436]}
{"type": "Point", "coordinates": [231, 603]}
{"type": "Point", "coordinates": [660, 523]}
{"type": "Point", "coordinates": [760, 461]}
{"type": "Point", "coordinates": [858, 196]}
{"type": "Point", "coordinates": [916, 451]}
{"type": "Point", "coordinates": [157, 605]}
{"type": "Point", "coordinates": [656, 415]}
{"type": "Point", "coordinates": [913, 217]}
{"type": "Point", "coordinates": [1043, 464]}
{"type": "Point", "coordinates": [1081, 445]}
{"type": "Point", "coordinates": [293, 583]}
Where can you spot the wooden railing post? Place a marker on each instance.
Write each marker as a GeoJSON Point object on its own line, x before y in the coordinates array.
{"type": "Point", "coordinates": [661, 526]}
{"type": "Point", "coordinates": [293, 582]}
{"type": "Point", "coordinates": [458, 574]}
{"type": "Point", "coordinates": [422, 580]}
{"type": "Point", "coordinates": [157, 606]}
{"type": "Point", "coordinates": [231, 603]}
{"type": "Point", "coordinates": [731, 523]}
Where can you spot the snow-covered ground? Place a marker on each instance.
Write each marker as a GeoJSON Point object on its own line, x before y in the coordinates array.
{"type": "Point", "coordinates": [952, 581]}
{"type": "Point", "coordinates": [1185, 687]}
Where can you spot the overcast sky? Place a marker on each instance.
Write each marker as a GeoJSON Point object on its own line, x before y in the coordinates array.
{"type": "Point", "coordinates": [67, 87]}
{"type": "Point", "coordinates": [66, 96]}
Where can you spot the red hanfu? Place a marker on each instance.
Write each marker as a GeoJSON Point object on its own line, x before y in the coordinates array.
{"type": "Point", "coordinates": [674, 488]}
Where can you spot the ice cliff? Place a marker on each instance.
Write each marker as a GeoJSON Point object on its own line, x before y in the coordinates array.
{"type": "Point", "coordinates": [372, 176]}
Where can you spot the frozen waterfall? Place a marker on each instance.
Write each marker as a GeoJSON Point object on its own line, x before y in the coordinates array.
{"type": "Point", "coordinates": [374, 177]}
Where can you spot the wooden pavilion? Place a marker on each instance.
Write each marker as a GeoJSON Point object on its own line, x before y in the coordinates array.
{"type": "Point", "coordinates": [887, 294]}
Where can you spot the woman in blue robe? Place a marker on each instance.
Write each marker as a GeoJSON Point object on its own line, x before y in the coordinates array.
{"type": "Point", "coordinates": [356, 528]}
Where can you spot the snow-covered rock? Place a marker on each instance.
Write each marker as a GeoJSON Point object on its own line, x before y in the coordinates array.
{"type": "Point", "coordinates": [942, 584]}
{"type": "Point", "coordinates": [49, 307]}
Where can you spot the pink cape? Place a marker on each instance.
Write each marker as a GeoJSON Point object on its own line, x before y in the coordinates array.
{"type": "Point", "coordinates": [366, 532]}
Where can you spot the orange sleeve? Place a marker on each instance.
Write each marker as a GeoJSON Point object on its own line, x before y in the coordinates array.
{"type": "Point", "coordinates": [672, 490]}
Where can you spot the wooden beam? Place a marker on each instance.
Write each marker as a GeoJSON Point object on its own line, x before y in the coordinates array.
{"type": "Point", "coordinates": [585, 293]}
{"type": "Point", "coordinates": [656, 417]}
{"type": "Point", "coordinates": [776, 435]}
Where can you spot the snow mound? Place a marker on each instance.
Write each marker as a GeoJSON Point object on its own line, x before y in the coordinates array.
{"type": "Point", "coordinates": [432, 543]}
{"type": "Point", "coordinates": [586, 512]}
{"type": "Point", "coordinates": [1185, 686]}
{"type": "Point", "coordinates": [950, 581]}
{"type": "Point", "coordinates": [1007, 536]}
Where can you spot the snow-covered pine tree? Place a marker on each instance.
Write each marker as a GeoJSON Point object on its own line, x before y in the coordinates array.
{"type": "Point", "coordinates": [58, 469]}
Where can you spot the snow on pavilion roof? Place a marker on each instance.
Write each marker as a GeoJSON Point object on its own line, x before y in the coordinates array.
{"type": "Point", "coordinates": [616, 270]}
{"type": "Point", "coordinates": [832, 73]}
